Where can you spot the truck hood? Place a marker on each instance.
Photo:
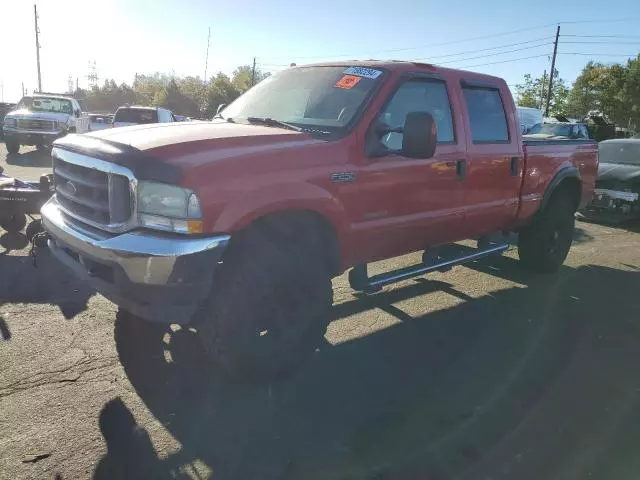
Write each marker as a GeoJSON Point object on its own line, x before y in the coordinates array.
{"type": "Point", "coordinates": [165, 152]}
{"type": "Point", "coordinates": [170, 140]}
{"type": "Point", "coordinates": [24, 113]}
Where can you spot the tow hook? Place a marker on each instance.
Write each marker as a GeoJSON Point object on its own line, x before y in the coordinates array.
{"type": "Point", "coordinates": [38, 241]}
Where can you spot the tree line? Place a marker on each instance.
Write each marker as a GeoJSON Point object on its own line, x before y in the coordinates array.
{"type": "Point", "coordinates": [610, 90]}
{"type": "Point", "coordinates": [190, 96]}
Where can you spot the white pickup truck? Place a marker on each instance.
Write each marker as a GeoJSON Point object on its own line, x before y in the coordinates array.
{"type": "Point", "coordinates": [39, 119]}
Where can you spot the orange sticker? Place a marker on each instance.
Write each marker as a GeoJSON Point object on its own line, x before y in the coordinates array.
{"type": "Point", "coordinates": [348, 81]}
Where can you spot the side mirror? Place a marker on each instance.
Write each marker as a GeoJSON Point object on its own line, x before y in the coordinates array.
{"type": "Point", "coordinates": [220, 108]}
{"type": "Point", "coordinates": [77, 113]}
{"type": "Point", "coordinates": [419, 137]}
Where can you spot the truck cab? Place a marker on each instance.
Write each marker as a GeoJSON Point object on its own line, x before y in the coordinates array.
{"type": "Point", "coordinates": [41, 118]}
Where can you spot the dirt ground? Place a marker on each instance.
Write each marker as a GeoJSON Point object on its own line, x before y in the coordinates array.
{"type": "Point", "coordinates": [485, 372]}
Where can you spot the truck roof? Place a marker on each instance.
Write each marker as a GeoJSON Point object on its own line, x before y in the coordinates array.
{"type": "Point", "coordinates": [401, 66]}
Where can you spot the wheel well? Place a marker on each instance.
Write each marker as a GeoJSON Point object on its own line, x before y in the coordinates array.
{"type": "Point", "coordinates": [314, 223]}
{"type": "Point", "coordinates": [572, 187]}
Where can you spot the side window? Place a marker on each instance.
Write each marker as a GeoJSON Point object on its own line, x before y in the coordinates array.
{"type": "Point", "coordinates": [486, 115]}
{"type": "Point", "coordinates": [162, 116]}
{"type": "Point", "coordinates": [419, 95]}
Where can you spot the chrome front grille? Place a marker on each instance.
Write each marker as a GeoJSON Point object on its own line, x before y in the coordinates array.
{"type": "Point", "coordinates": [98, 193]}
{"type": "Point", "coordinates": [34, 124]}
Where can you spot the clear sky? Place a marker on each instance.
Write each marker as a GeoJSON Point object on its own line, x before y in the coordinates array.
{"type": "Point", "coordinates": [124, 37]}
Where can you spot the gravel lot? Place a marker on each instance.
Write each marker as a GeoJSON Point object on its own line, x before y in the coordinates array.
{"type": "Point", "coordinates": [484, 372]}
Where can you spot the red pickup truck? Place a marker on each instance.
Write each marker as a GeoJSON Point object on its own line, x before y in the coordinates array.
{"type": "Point", "coordinates": [237, 225]}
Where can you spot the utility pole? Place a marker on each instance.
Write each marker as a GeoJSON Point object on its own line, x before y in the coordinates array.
{"type": "Point", "coordinates": [544, 84]}
{"type": "Point", "coordinates": [2, 88]}
{"type": "Point", "coordinates": [23, 93]}
{"type": "Point", "coordinates": [35, 16]}
{"type": "Point", "coordinates": [553, 67]}
{"type": "Point", "coordinates": [253, 72]}
{"type": "Point", "coordinates": [206, 59]}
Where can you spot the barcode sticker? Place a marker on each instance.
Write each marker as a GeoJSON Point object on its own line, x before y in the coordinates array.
{"type": "Point", "coordinates": [363, 72]}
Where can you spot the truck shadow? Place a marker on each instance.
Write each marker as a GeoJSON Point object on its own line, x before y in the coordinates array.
{"type": "Point", "coordinates": [34, 158]}
{"type": "Point", "coordinates": [21, 282]}
{"type": "Point", "coordinates": [429, 397]}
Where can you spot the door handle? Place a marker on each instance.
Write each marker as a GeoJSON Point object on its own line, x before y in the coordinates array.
{"type": "Point", "coordinates": [515, 166]}
{"type": "Point", "coordinates": [461, 169]}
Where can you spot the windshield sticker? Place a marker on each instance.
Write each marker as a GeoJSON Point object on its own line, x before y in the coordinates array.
{"type": "Point", "coordinates": [363, 72]}
{"type": "Point", "coordinates": [348, 81]}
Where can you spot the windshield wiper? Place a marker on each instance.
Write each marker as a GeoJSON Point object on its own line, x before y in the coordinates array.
{"type": "Point", "coordinates": [219, 115]}
{"type": "Point", "coordinates": [270, 122]}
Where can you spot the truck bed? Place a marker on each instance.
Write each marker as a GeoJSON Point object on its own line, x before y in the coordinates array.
{"type": "Point", "coordinates": [544, 159]}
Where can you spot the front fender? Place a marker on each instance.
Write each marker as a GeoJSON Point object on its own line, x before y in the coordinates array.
{"type": "Point", "coordinates": [281, 198]}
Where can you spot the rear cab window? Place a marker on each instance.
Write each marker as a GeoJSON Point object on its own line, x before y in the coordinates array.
{"type": "Point", "coordinates": [136, 115]}
{"type": "Point", "coordinates": [487, 117]}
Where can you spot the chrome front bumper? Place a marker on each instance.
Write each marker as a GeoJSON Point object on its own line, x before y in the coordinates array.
{"type": "Point", "coordinates": [158, 276]}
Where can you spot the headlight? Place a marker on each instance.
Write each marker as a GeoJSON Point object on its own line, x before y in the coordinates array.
{"type": "Point", "coordinates": [10, 122]}
{"type": "Point", "coordinates": [60, 126]}
{"type": "Point", "coordinates": [167, 207]}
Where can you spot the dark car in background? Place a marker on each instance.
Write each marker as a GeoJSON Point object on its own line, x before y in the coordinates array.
{"type": "Point", "coordinates": [617, 191]}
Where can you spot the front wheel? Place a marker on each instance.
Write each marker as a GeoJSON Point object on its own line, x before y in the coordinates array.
{"type": "Point", "coordinates": [270, 304]}
{"type": "Point", "coordinates": [544, 244]}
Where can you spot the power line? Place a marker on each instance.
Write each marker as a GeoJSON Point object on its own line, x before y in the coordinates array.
{"type": "Point", "coordinates": [494, 54]}
{"type": "Point", "coordinates": [603, 43]}
{"type": "Point", "coordinates": [599, 54]}
{"type": "Point", "coordinates": [485, 49]}
{"type": "Point", "coordinates": [463, 53]}
{"type": "Point", "coordinates": [506, 61]}
{"type": "Point", "coordinates": [602, 36]}
{"type": "Point", "coordinates": [469, 39]}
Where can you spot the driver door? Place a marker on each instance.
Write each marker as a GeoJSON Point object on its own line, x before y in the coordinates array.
{"type": "Point", "coordinates": [410, 204]}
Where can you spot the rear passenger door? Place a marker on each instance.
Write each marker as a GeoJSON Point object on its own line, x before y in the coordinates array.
{"type": "Point", "coordinates": [495, 159]}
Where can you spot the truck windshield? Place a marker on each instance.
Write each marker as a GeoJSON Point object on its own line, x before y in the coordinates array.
{"type": "Point", "coordinates": [327, 98]}
{"type": "Point", "coordinates": [46, 104]}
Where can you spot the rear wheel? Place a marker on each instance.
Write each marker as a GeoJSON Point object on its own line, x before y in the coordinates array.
{"type": "Point", "coordinates": [269, 308]}
{"type": "Point", "coordinates": [12, 146]}
{"type": "Point", "coordinates": [544, 244]}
